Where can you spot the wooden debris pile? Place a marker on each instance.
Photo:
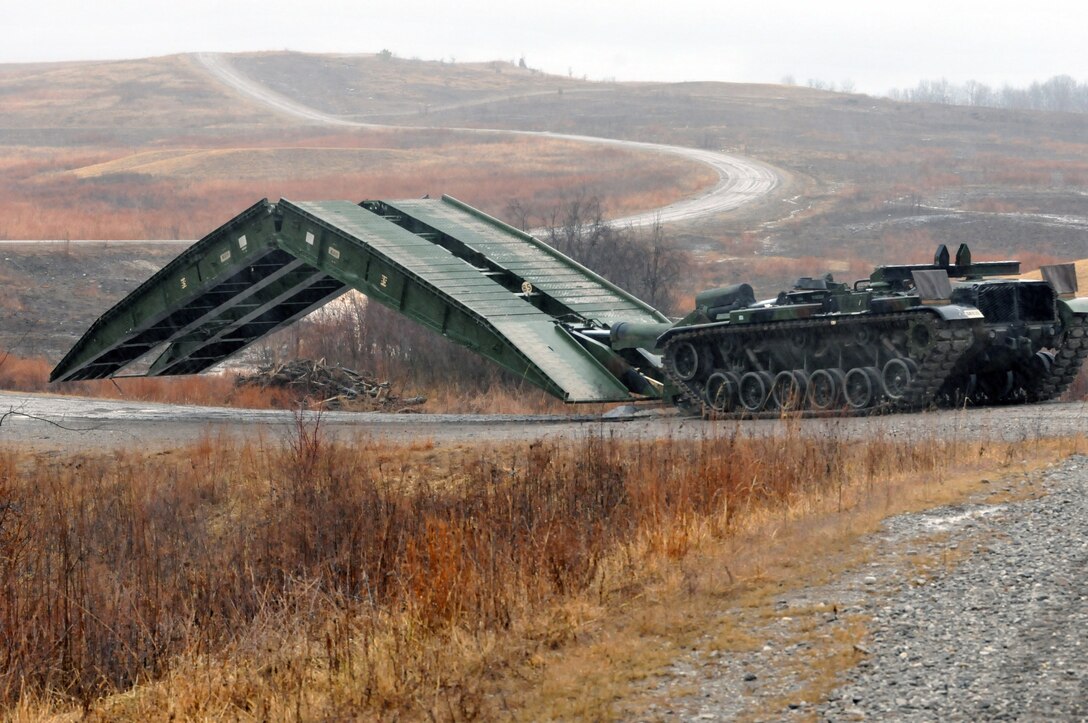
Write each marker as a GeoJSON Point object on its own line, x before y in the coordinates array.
{"type": "Point", "coordinates": [330, 387]}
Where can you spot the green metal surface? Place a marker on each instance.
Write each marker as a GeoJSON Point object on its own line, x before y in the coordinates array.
{"type": "Point", "coordinates": [426, 282]}
{"type": "Point", "coordinates": [449, 267]}
{"type": "Point", "coordinates": [568, 287]}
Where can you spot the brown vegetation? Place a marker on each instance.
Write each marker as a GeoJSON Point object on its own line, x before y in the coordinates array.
{"type": "Point", "coordinates": [32, 375]}
{"type": "Point", "coordinates": [314, 580]}
{"type": "Point", "coordinates": [451, 379]}
{"type": "Point", "coordinates": [361, 86]}
{"type": "Point", "coordinates": [318, 580]}
{"type": "Point", "coordinates": [185, 191]}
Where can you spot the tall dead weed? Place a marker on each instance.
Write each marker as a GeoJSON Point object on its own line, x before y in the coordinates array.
{"type": "Point", "coordinates": [322, 579]}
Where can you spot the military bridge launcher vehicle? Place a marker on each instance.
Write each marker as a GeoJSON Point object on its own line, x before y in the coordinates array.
{"type": "Point", "coordinates": [947, 333]}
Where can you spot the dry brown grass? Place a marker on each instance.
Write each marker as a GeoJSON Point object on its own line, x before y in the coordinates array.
{"type": "Point", "coordinates": [22, 374]}
{"type": "Point", "coordinates": [166, 92]}
{"type": "Point", "coordinates": [1081, 266]}
{"type": "Point", "coordinates": [184, 191]}
{"type": "Point", "coordinates": [307, 579]}
{"type": "Point", "coordinates": [32, 375]}
{"type": "Point", "coordinates": [501, 398]}
{"type": "Point", "coordinates": [206, 389]}
{"type": "Point", "coordinates": [722, 596]}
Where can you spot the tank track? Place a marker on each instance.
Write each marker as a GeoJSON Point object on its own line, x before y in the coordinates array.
{"type": "Point", "coordinates": [950, 342]}
{"type": "Point", "coordinates": [1067, 363]}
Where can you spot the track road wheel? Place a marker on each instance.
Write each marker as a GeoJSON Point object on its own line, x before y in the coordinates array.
{"type": "Point", "coordinates": [721, 391]}
{"type": "Point", "coordinates": [1042, 362]}
{"type": "Point", "coordinates": [896, 376]}
{"type": "Point", "coordinates": [862, 388]}
{"type": "Point", "coordinates": [788, 390]}
{"type": "Point", "coordinates": [755, 388]}
{"type": "Point", "coordinates": [686, 360]}
{"type": "Point", "coordinates": [825, 388]}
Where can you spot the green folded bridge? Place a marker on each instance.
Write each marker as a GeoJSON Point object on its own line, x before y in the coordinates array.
{"type": "Point", "coordinates": [452, 268]}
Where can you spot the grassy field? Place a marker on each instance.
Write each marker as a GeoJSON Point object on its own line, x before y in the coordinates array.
{"type": "Point", "coordinates": [93, 103]}
{"type": "Point", "coordinates": [370, 87]}
{"type": "Point", "coordinates": [301, 578]}
{"type": "Point", "coordinates": [185, 191]}
{"type": "Point", "coordinates": [146, 148]}
{"type": "Point", "coordinates": [308, 579]}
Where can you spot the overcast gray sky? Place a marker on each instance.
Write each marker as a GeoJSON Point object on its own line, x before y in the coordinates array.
{"type": "Point", "coordinates": [876, 45]}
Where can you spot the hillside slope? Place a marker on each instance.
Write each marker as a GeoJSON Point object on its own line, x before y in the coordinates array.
{"type": "Point", "coordinates": [159, 148]}
{"type": "Point", "coordinates": [871, 175]}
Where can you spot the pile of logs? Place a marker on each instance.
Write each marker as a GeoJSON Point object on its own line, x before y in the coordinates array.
{"type": "Point", "coordinates": [330, 387]}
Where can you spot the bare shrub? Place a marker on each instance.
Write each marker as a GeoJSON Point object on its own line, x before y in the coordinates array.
{"type": "Point", "coordinates": [642, 262]}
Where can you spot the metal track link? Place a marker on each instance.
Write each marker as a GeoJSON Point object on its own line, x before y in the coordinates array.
{"type": "Point", "coordinates": [1067, 363]}
{"type": "Point", "coordinates": [950, 343]}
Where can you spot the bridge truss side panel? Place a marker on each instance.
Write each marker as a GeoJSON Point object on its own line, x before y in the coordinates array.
{"type": "Point", "coordinates": [184, 296]}
{"type": "Point", "coordinates": [425, 282]}
{"type": "Point", "coordinates": [274, 263]}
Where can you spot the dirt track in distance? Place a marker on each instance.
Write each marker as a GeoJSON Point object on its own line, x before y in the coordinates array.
{"type": "Point", "coordinates": [740, 180]}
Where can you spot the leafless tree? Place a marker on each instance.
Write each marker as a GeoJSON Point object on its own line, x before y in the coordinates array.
{"type": "Point", "coordinates": [1061, 93]}
{"type": "Point", "coordinates": [640, 261]}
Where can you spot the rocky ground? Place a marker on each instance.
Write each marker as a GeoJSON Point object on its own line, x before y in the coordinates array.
{"type": "Point", "coordinates": [971, 612]}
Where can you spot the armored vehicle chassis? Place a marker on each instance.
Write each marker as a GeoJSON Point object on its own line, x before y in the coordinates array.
{"type": "Point", "coordinates": [906, 338]}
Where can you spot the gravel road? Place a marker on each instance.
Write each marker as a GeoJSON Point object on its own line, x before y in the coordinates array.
{"type": "Point", "coordinates": [58, 423]}
{"type": "Point", "coordinates": [996, 628]}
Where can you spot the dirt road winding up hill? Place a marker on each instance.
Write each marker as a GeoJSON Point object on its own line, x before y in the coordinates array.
{"type": "Point", "coordinates": [740, 180]}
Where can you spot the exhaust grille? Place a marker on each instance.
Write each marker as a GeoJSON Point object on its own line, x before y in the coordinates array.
{"type": "Point", "coordinates": [998, 303]}
{"type": "Point", "coordinates": [1010, 302]}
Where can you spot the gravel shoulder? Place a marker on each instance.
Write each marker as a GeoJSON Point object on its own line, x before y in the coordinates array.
{"type": "Point", "coordinates": [976, 611]}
